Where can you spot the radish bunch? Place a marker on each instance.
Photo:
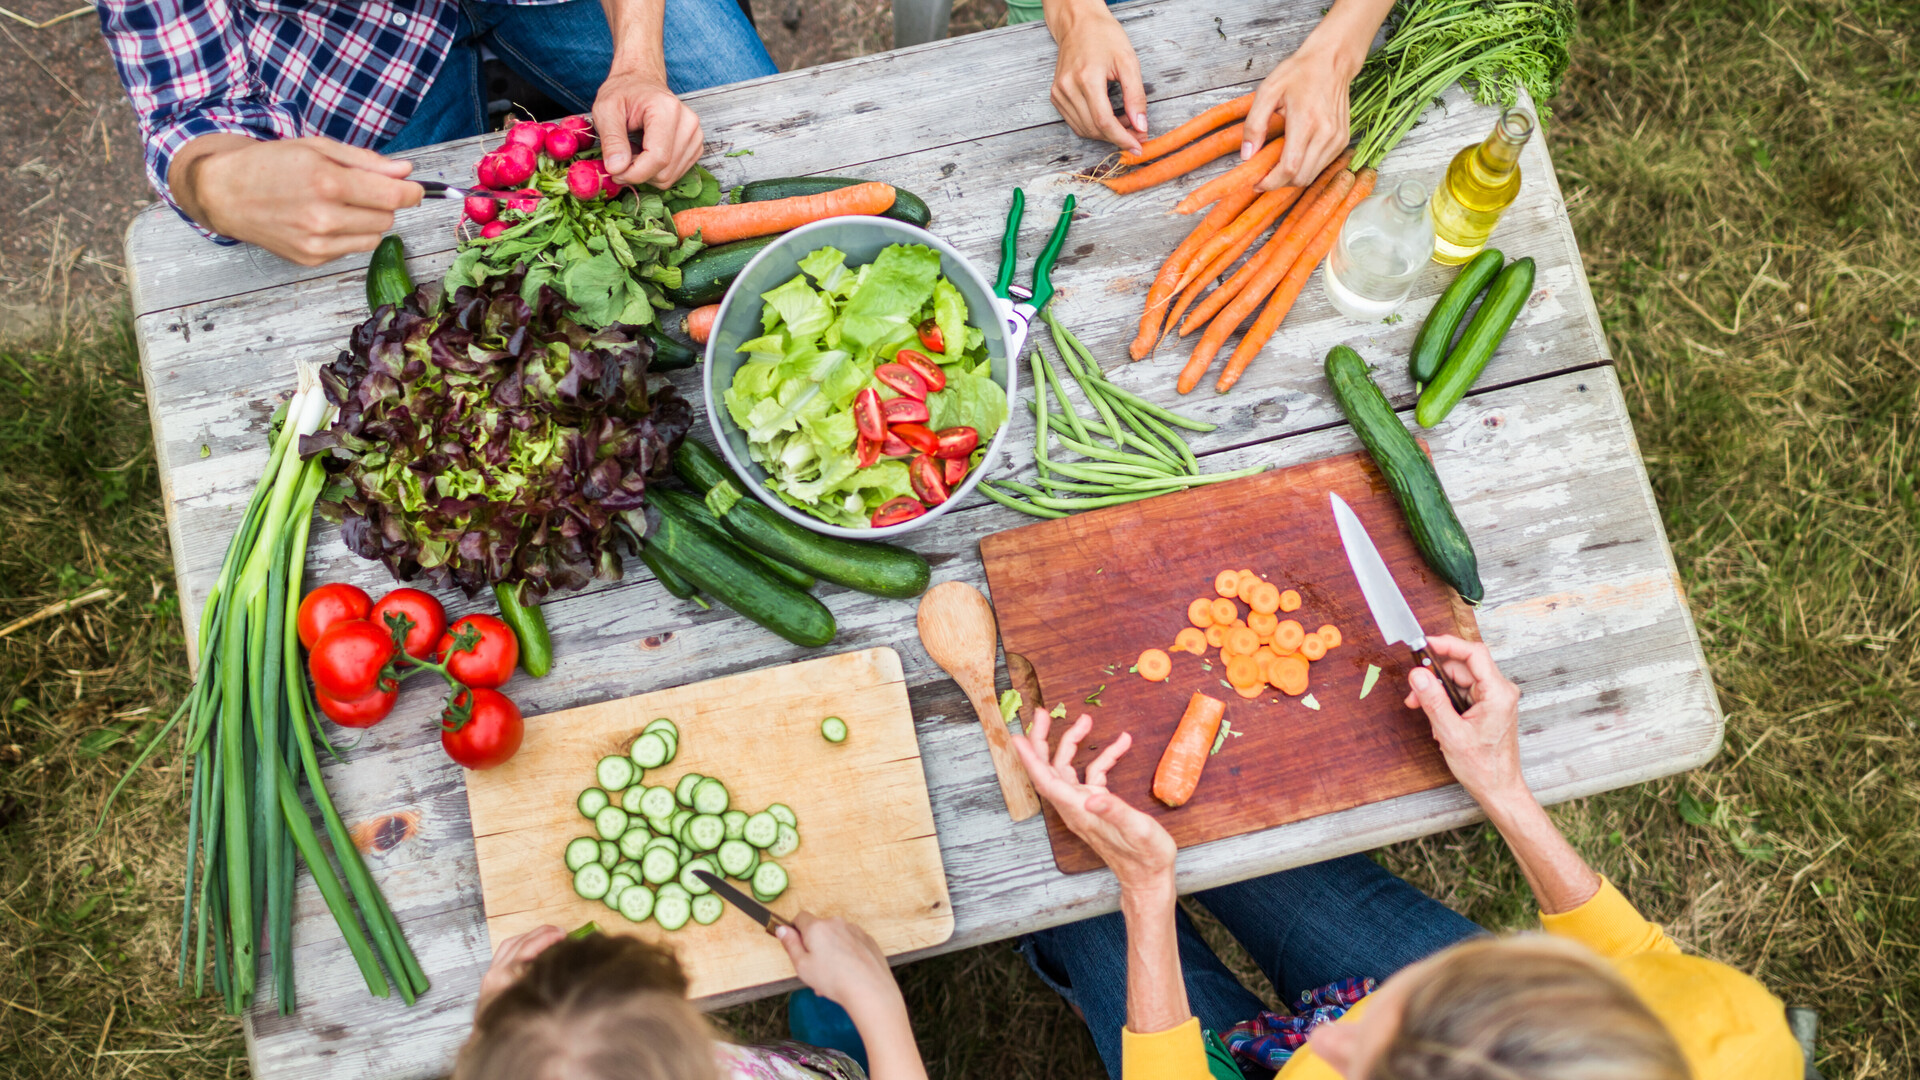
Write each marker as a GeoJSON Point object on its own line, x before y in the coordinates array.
{"type": "Point", "coordinates": [533, 152]}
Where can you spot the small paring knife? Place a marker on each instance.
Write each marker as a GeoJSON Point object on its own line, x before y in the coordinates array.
{"type": "Point", "coordinates": [1389, 606]}
{"type": "Point", "coordinates": [436, 189]}
{"type": "Point", "coordinates": [754, 909]}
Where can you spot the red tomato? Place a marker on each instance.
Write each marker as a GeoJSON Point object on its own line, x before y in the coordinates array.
{"type": "Point", "coordinates": [867, 414]}
{"type": "Point", "coordinates": [327, 605]}
{"type": "Point", "coordinates": [866, 451]}
{"type": "Point", "coordinates": [956, 442]}
{"type": "Point", "coordinates": [481, 728]}
{"type": "Point", "coordinates": [363, 711]}
{"type": "Point", "coordinates": [895, 511]}
{"type": "Point", "coordinates": [928, 476]}
{"type": "Point", "coordinates": [928, 371]}
{"type": "Point", "coordinates": [488, 664]}
{"type": "Point", "coordinates": [428, 617]}
{"type": "Point", "coordinates": [918, 436]}
{"type": "Point", "coordinates": [905, 410]}
{"type": "Point", "coordinates": [956, 471]}
{"type": "Point", "coordinates": [902, 380]}
{"type": "Point", "coordinates": [891, 446]}
{"type": "Point", "coordinates": [931, 337]}
{"type": "Point", "coordinates": [346, 661]}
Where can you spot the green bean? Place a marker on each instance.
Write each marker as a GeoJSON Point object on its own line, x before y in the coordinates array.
{"type": "Point", "coordinates": [1038, 404]}
{"type": "Point", "coordinates": [1118, 457]}
{"type": "Point", "coordinates": [1167, 434]}
{"type": "Point", "coordinates": [1143, 437]}
{"type": "Point", "coordinates": [1162, 414]}
{"type": "Point", "coordinates": [1096, 473]}
{"type": "Point", "coordinates": [1050, 503]}
{"type": "Point", "coordinates": [1059, 391]}
{"type": "Point", "coordinates": [1087, 388]}
{"type": "Point", "coordinates": [1021, 505]}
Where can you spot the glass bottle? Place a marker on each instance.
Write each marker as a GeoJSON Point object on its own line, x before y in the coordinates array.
{"type": "Point", "coordinates": [1480, 184]}
{"type": "Point", "coordinates": [1382, 248]}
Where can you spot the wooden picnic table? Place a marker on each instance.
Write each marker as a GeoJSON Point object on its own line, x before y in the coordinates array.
{"type": "Point", "coordinates": [1584, 609]}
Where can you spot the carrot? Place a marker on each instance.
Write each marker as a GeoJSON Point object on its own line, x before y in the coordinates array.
{"type": "Point", "coordinates": [1200, 612]}
{"type": "Point", "coordinates": [1296, 279]}
{"type": "Point", "coordinates": [1224, 612]}
{"type": "Point", "coordinates": [1234, 239]}
{"type": "Point", "coordinates": [1154, 665]}
{"type": "Point", "coordinates": [1217, 635]}
{"type": "Point", "coordinates": [1227, 583]}
{"type": "Point", "coordinates": [699, 322]}
{"type": "Point", "coordinates": [1190, 640]}
{"type": "Point", "coordinates": [1251, 692]}
{"type": "Point", "coordinates": [1243, 671]}
{"type": "Point", "coordinates": [1178, 774]}
{"type": "Point", "coordinates": [1288, 636]}
{"type": "Point", "coordinates": [738, 221]}
{"type": "Point", "coordinates": [1264, 599]}
{"type": "Point", "coordinates": [1242, 641]}
{"type": "Point", "coordinates": [1245, 174]}
{"type": "Point", "coordinates": [1330, 635]}
{"type": "Point", "coordinates": [1247, 581]}
{"type": "Point", "coordinates": [1289, 675]}
{"type": "Point", "coordinates": [1289, 601]}
{"type": "Point", "coordinates": [1173, 271]}
{"type": "Point", "coordinates": [1179, 163]}
{"type": "Point", "coordinates": [1224, 113]}
{"type": "Point", "coordinates": [1263, 623]}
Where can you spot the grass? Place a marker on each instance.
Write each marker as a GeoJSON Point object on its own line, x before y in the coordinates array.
{"type": "Point", "coordinates": [1743, 178]}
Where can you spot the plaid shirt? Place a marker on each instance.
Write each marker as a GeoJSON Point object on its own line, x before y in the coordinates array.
{"type": "Point", "coordinates": [275, 69]}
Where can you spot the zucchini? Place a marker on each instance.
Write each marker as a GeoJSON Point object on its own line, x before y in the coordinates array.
{"type": "Point", "coordinates": [1478, 342]}
{"type": "Point", "coordinates": [1408, 471]}
{"type": "Point", "coordinates": [716, 567]}
{"type": "Point", "coordinates": [1436, 334]}
{"type": "Point", "coordinates": [669, 353]}
{"type": "Point", "coordinates": [880, 569]}
{"type": "Point", "coordinates": [907, 206]}
{"type": "Point", "coordinates": [387, 279]}
{"type": "Point", "coordinates": [705, 277]}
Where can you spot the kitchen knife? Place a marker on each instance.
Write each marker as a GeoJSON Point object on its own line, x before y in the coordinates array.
{"type": "Point", "coordinates": [754, 909]}
{"type": "Point", "coordinates": [435, 189]}
{"type": "Point", "coordinates": [1384, 599]}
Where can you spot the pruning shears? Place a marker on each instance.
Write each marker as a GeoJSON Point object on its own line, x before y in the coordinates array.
{"type": "Point", "coordinates": [1018, 304]}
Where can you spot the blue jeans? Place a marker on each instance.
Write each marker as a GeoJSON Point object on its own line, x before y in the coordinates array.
{"type": "Point", "coordinates": [565, 50]}
{"type": "Point", "coordinates": [1306, 927]}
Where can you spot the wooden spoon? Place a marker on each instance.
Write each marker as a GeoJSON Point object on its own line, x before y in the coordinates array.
{"type": "Point", "coordinates": [957, 627]}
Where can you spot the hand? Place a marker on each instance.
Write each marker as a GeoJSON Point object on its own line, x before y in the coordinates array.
{"type": "Point", "coordinates": [1133, 845]}
{"type": "Point", "coordinates": [670, 137]}
{"type": "Point", "coordinates": [840, 962]}
{"type": "Point", "coordinates": [308, 200]}
{"type": "Point", "coordinates": [511, 959]}
{"type": "Point", "coordinates": [1094, 51]}
{"type": "Point", "coordinates": [1483, 746]}
{"type": "Point", "coordinates": [1309, 88]}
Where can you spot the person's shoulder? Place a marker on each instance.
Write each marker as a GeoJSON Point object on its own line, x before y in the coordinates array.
{"type": "Point", "coordinates": [1729, 1026]}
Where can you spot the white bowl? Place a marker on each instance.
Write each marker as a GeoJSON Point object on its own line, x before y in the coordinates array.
{"type": "Point", "coordinates": [862, 238]}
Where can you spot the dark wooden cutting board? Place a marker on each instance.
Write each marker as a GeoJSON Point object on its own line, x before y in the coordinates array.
{"type": "Point", "coordinates": [1078, 598]}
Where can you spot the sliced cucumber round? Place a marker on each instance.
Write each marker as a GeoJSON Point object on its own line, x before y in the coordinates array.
{"type": "Point", "coordinates": [761, 829]}
{"type": "Point", "coordinates": [833, 729]}
{"type": "Point", "coordinates": [590, 881]}
{"type": "Point", "coordinates": [693, 884]}
{"type": "Point", "coordinates": [680, 819]}
{"type": "Point", "coordinates": [628, 869]}
{"type": "Point", "coordinates": [649, 751]}
{"type": "Point", "coordinates": [615, 772]}
{"type": "Point", "coordinates": [710, 797]}
{"type": "Point", "coordinates": [610, 822]}
{"type": "Point", "coordinates": [786, 844]}
{"type": "Point", "coordinates": [672, 888]}
{"type": "Point", "coordinates": [708, 909]}
{"type": "Point", "coordinates": [736, 858]}
{"type": "Point", "coordinates": [633, 842]}
{"type": "Point", "coordinates": [663, 724]}
{"type": "Point", "coordinates": [630, 800]}
{"type": "Point", "coordinates": [609, 854]}
{"type": "Point", "coordinates": [705, 832]}
{"type": "Point", "coordinates": [784, 814]}
{"type": "Point", "coordinates": [636, 903]}
{"type": "Point", "coordinates": [591, 802]}
{"type": "Point", "coordinates": [657, 802]}
{"type": "Point", "coordinates": [582, 850]}
{"type": "Point", "coordinates": [659, 866]}
{"type": "Point", "coordinates": [672, 912]}
{"type": "Point", "coordinates": [736, 823]}
{"type": "Point", "coordinates": [683, 791]}
{"type": "Point", "coordinates": [616, 884]}
{"type": "Point", "coordinates": [667, 842]}
{"type": "Point", "coordinates": [769, 881]}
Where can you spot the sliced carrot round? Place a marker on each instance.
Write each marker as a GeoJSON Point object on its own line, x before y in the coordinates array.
{"type": "Point", "coordinates": [1243, 671]}
{"type": "Point", "coordinates": [1224, 611]}
{"type": "Point", "coordinates": [1200, 612]}
{"type": "Point", "coordinates": [1192, 640]}
{"type": "Point", "coordinates": [1227, 583]}
{"type": "Point", "coordinates": [1216, 635]}
{"type": "Point", "coordinates": [1312, 647]}
{"type": "Point", "coordinates": [1247, 581]}
{"type": "Point", "coordinates": [1287, 636]}
{"type": "Point", "coordinates": [1242, 641]}
{"type": "Point", "coordinates": [1154, 665]}
{"type": "Point", "coordinates": [1251, 692]}
{"type": "Point", "coordinates": [1262, 622]}
{"type": "Point", "coordinates": [1264, 597]}
{"type": "Point", "coordinates": [1289, 674]}
{"type": "Point", "coordinates": [1329, 636]}
{"type": "Point", "coordinates": [1289, 601]}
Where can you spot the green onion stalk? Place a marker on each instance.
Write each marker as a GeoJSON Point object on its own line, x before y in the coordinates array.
{"type": "Point", "coordinates": [250, 732]}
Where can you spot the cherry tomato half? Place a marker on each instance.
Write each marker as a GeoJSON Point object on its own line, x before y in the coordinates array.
{"type": "Point", "coordinates": [488, 664]}
{"type": "Point", "coordinates": [905, 410]}
{"type": "Point", "coordinates": [956, 471]}
{"type": "Point", "coordinates": [902, 380]}
{"type": "Point", "coordinates": [867, 414]}
{"type": "Point", "coordinates": [918, 436]}
{"type": "Point", "coordinates": [894, 511]}
{"type": "Point", "coordinates": [956, 442]}
{"type": "Point", "coordinates": [481, 728]}
{"type": "Point", "coordinates": [327, 605]}
{"type": "Point", "coordinates": [928, 371]}
{"type": "Point", "coordinates": [346, 661]}
{"type": "Point", "coordinates": [363, 711]}
{"type": "Point", "coordinates": [892, 446]}
{"type": "Point", "coordinates": [931, 337]}
{"type": "Point", "coordinates": [929, 480]}
{"type": "Point", "coordinates": [428, 617]}
{"type": "Point", "coordinates": [866, 451]}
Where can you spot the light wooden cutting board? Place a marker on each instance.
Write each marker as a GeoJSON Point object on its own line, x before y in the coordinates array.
{"type": "Point", "coordinates": [868, 852]}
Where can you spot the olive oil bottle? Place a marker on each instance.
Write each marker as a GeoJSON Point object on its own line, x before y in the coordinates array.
{"type": "Point", "coordinates": [1480, 184]}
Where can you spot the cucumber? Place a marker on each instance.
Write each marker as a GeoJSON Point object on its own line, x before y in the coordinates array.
{"type": "Point", "coordinates": [706, 832]}
{"type": "Point", "coordinates": [590, 881]}
{"type": "Point", "coordinates": [659, 866]}
{"type": "Point", "coordinates": [710, 797]}
{"type": "Point", "coordinates": [669, 354]}
{"type": "Point", "coordinates": [609, 853]}
{"type": "Point", "coordinates": [735, 858]}
{"type": "Point", "coordinates": [1436, 334]}
{"type": "Point", "coordinates": [705, 277]}
{"type": "Point", "coordinates": [630, 800]}
{"type": "Point", "coordinates": [907, 206]}
{"type": "Point", "coordinates": [714, 566]}
{"type": "Point", "coordinates": [529, 626]}
{"type": "Point", "coordinates": [708, 909]}
{"type": "Point", "coordinates": [657, 802]}
{"type": "Point", "coordinates": [761, 830]}
{"type": "Point", "coordinates": [661, 723]}
{"type": "Point", "coordinates": [582, 850]}
{"type": "Point", "coordinates": [615, 772]}
{"type": "Point", "coordinates": [787, 843]}
{"type": "Point", "coordinates": [683, 791]}
{"type": "Point", "coordinates": [693, 884]}
{"type": "Point", "coordinates": [879, 569]}
{"type": "Point", "coordinates": [649, 750]}
{"type": "Point", "coordinates": [792, 575]}
{"type": "Point", "coordinates": [628, 869]}
{"type": "Point", "coordinates": [387, 279]}
{"type": "Point", "coordinates": [769, 881]}
{"type": "Point", "coordinates": [833, 729]}
{"type": "Point", "coordinates": [1478, 342]}
{"type": "Point", "coordinates": [668, 575]}
{"type": "Point", "coordinates": [591, 802]}
{"type": "Point", "coordinates": [671, 910]}
{"type": "Point", "coordinates": [674, 888]}
{"type": "Point", "coordinates": [610, 822]}
{"type": "Point", "coordinates": [1409, 473]}
{"type": "Point", "coordinates": [633, 843]}
{"type": "Point", "coordinates": [636, 903]}
{"type": "Point", "coordinates": [736, 823]}
{"type": "Point", "coordinates": [616, 885]}
{"type": "Point", "coordinates": [784, 814]}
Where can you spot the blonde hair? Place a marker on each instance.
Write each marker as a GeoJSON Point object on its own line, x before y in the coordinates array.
{"type": "Point", "coordinates": [595, 1008]}
{"type": "Point", "coordinates": [1527, 1008]}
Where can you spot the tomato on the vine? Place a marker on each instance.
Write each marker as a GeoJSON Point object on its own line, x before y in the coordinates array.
{"type": "Point", "coordinates": [329, 604]}
{"type": "Point", "coordinates": [361, 712]}
{"type": "Point", "coordinates": [347, 660]}
{"type": "Point", "coordinates": [429, 619]}
{"type": "Point", "coordinates": [481, 728]}
{"type": "Point", "coordinates": [488, 661]}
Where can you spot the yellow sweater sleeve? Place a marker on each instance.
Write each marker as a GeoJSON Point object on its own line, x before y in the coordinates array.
{"type": "Point", "coordinates": [1610, 926]}
{"type": "Point", "coordinates": [1173, 1054]}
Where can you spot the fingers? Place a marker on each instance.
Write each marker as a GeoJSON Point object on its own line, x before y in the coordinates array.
{"type": "Point", "coordinates": [1431, 697]}
{"type": "Point", "coordinates": [610, 124]}
{"type": "Point", "coordinates": [314, 250]}
{"type": "Point", "coordinates": [1253, 133]}
{"type": "Point", "coordinates": [1070, 744]}
{"type": "Point", "coordinates": [660, 140]}
{"type": "Point", "coordinates": [1097, 769]}
{"type": "Point", "coordinates": [1093, 88]}
{"type": "Point", "coordinates": [795, 944]}
{"type": "Point", "coordinates": [1032, 752]}
{"type": "Point", "coordinates": [1133, 95]}
{"type": "Point", "coordinates": [355, 157]}
{"type": "Point", "coordinates": [1037, 730]}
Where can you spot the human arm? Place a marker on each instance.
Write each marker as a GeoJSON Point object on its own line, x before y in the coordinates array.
{"type": "Point", "coordinates": [843, 964]}
{"type": "Point", "coordinates": [635, 97]}
{"type": "Point", "coordinates": [1093, 51]}
{"type": "Point", "coordinates": [1310, 88]}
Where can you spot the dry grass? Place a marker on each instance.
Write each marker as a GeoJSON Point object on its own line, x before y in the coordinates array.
{"type": "Point", "coordinates": [1744, 181]}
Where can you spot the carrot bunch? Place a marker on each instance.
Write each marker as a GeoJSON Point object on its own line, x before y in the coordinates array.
{"type": "Point", "coordinates": [1259, 647]}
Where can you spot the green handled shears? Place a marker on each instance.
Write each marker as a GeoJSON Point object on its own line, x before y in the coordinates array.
{"type": "Point", "coordinates": [1018, 304]}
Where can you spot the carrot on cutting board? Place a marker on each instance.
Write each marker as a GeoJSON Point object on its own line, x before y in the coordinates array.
{"type": "Point", "coordinates": [1263, 623]}
{"type": "Point", "coordinates": [1191, 639]}
{"type": "Point", "coordinates": [1287, 636]}
{"type": "Point", "coordinates": [1225, 614]}
{"type": "Point", "coordinates": [1178, 774]}
{"type": "Point", "coordinates": [1200, 612]}
{"type": "Point", "coordinates": [699, 322]}
{"type": "Point", "coordinates": [1179, 163]}
{"type": "Point", "coordinates": [1330, 635]}
{"type": "Point", "coordinates": [1245, 174]}
{"type": "Point", "coordinates": [1174, 270]}
{"type": "Point", "coordinates": [1154, 665]}
{"type": "Point", "coordinates": [1289, 675]}
{"type": "Point", "coordinates": [1289, 601]}
{"type": "Point", "coordinates": [1312, 647]}
{"type": "Point", "coordinates": [1227, 583]}
{"type": "Point", "coordinates": [1264, 599]}
{"type": "Point", "coordinates": [1224, 113]}
{"type": "Point", "coordinates": [724, 222]}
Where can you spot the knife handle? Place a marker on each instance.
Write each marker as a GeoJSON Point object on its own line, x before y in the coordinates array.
{"type": "Point", "coordinates": [1461, 702]}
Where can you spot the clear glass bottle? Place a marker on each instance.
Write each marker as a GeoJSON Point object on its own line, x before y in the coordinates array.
{"type": "Point", "coordinates": [1480, 184]}
{"type": "Point", "coordinates": [1382, 248]}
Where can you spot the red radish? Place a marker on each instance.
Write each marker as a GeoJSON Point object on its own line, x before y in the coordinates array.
{"type": "Point", "coordinates": [488, 170]}
{"type": "Point", "coordinates": [581, 127]}
{"type": "Point", "coordinates": [586, 180]}
{"type": "Point", "coordinates": [868, 415]}
{"type": "Point", "coordinates": [904, 410]}
{"type": "Point", "coordinates": [956, 472]}
{"type": "Point", "coordinates": [894, 511]}
{"type": "Point", "coordinates": [492, 229]}
{"type": "Point", "coordinates": [928, 371]}
{"type": "Point", "coordinates": [929, 480]}
{"type": "Point", "coordinates": [956, 442]}
{"type": "Point", "coordinates": [561, 143]}
{"type": "Point", "coordinates": [515, 165]}
{"type": "Point", "coordinates": [528, 134]}
{"type": "Point", "coordinates": [894, 446]}
{"type": "Point", "coordinates": [526, 201]}
{"type": "Point", "coordinates": [482, 209]}
{"type": "Point", "coordinates": [610, 187]}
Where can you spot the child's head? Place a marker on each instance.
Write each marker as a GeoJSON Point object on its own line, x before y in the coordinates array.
{"type": "Point", "coordinates": [596, 1008]}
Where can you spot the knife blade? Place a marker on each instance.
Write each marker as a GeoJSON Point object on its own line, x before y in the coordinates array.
{"type": "Point", "coordinates": [1391, 613]}
{"type": "Point", "coordinates": [754, 910]}
{"type": "Point", "coordinates": [436, 189]}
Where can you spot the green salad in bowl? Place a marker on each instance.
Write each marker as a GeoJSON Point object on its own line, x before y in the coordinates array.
{"type": "Point", "coordinates": [867, 397]}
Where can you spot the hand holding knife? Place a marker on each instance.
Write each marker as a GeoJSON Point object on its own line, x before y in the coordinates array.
{"type": "Point", "coordinates": [754, 910]}
{"type": "Point", "coordinates": [1384, 599]}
